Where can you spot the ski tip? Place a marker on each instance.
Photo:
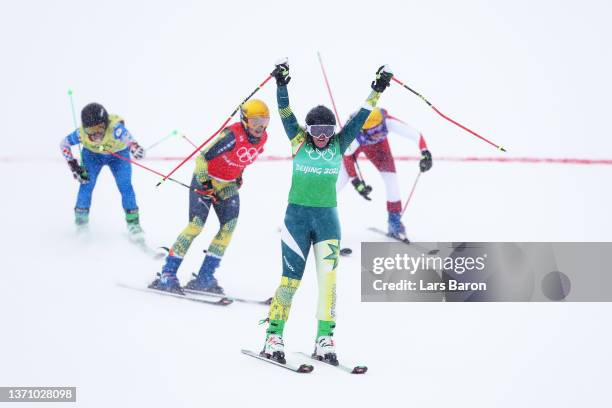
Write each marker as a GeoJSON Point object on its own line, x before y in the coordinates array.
{"type": "Point", "coordinates": [305, 368]}
{"type": "Point", "coordinates": [359, 370]}
{"type": "Point", "coordinates": [225, 301]}
{"type": "Point", "coordinates": [346, 251]}
{"type": "Point", "coordinates": [268, 301]}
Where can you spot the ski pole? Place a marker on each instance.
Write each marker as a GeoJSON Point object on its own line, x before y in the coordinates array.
{"type": "Point", "coordinates": [76, 126]}
{"type": "Point", "coordinates": [446, 117]}
{"type": "Point", "coordinates": [163, 139]}
{"type": "Point", "coordinates": [216, 133]}
{"type": "Point", "coordinates": [188, 140]}
{"type": "Point", "coordinates": [411, 193]}
{"type": "Point", "coordinates": [331, 96]}
{"type": "Point", "coordinates": [156, 172]}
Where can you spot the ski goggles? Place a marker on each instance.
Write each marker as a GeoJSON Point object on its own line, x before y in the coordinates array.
{"type": "Point", "coordinates": [321, 131]}
{"type": "Point", "coordinates": [257, 121]}
{"type": "Point", "coordinates": [382, 128]}
{"type": "Point", "coordinates": [95, 132]}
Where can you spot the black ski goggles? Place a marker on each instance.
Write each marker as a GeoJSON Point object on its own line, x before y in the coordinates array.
{"type": "Point", "coordinates": [321, 131]}
{"type": "Point", "coordinates": [96, 132]}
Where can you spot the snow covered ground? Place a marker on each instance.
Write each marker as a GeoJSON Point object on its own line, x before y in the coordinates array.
{"type": "Point", "coordinates": [67, 323]}
{"type": "Point", "coordinates": [531, 76]}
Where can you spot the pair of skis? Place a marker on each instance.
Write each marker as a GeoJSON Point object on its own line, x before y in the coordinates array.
{"type": "Point", "coordinates": [303, 367]}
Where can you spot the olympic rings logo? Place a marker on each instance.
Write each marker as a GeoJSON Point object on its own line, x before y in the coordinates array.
{"type": "Point", "coordinates": [247, 155]}
{"type": "Point", "coordinates": [315, 154]}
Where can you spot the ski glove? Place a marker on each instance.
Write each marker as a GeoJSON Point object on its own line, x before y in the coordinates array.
{"type": "Point", "coordinates": [138, 152]}
{"type": "Point", "coordinates": [207, 192]}
{"type": "Point", "coordinates": [281, 72]}
{"type": "Point", "coordinates": [362, 188]}
{"type": "Point", "coordinates": [426, 161]}
{"type": "Point", "coordinates": [239, 182]}
{"type": "Point", "coordinates": [383, 78]}
{"type": "Point", "coordinates": [78, 172]}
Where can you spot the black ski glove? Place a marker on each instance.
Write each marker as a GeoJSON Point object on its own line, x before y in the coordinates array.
{"type": "Point", "coordinates": [281, 72]}
{"type": "Point", "coordinates": [383, 78]}
{"type": "Point", "coordinates": [426, 161]}
{"type": "Point", "coordinates": [362, 188]}
{"type": "Point", "coordinates": [138, 152]}
{"type": "Point", "coordinates": [78, 172]}
{"type": "Point", "coordinates": [207, 192]}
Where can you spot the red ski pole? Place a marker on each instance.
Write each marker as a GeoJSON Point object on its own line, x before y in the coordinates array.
{"type": "Point", "coordinates": [216, 133]}
{"type": "Point", "coordinates": [188, 140]}
{"type": "Point", "coordinates": [411, 193]}
{"type": "Point", "coordinates": [446, 117]}
{"type": "Point", "coordinates": [331, 97]}
{"type": "Point", "coordinates": [329, 90]}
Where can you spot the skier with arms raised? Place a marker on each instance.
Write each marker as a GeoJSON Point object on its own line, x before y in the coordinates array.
{"type": "Point", "coordinates": [311, 217]}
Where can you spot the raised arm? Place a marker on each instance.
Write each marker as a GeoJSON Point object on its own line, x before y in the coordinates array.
{"type": "Point", "coordinates": [281, 74]}
{"type": "Point", "coordinates": [290, 123]}
{"type": "Point", "coordinates": [354, 125]}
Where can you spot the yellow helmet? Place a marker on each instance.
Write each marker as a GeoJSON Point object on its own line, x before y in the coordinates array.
{"type": "Point", "coordinates": [253, 108]}
{"type": "Point", "coordinates": [375, 119]}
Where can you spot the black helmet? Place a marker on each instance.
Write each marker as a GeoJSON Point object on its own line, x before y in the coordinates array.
{"type": "Point", "coordinates": [320, 115]}
{"type": "Point", "coordinates": [93, 114]}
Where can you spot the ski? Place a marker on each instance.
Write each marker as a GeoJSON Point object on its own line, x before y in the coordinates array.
{"type": "Point", "coordinates": [266, 302]}
{"type": "Point", "coordinates": [346, 251]}
{"type": "Point", "coordinates": [298, 368]}
{"type": "Point", "coordinates": [359, 369]}
{"type": "Point", "coordinates": [220, 302]}
{"type": "Point", "coordinates": [405, 241]}
{"type": "Point", "coordinates": [153, 253]}
{"type": "Point", "coordinates": [379, 231]}
{"type": "Point", "coordinates": [148, 250]}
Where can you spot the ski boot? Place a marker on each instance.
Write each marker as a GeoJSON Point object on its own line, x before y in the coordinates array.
{"type": "Point", "coordinates": [274, 348]}
{"type": "Point", "coordinates": [167, 280]}
{"type": "Point", "coordinates": [396, 228]}
{"type": "Point", "coordinates": [81, 220]}
{"type": "Point", "coordinates": [135, 232]}
{"type": "Point", "coordinates": [205, 280]}
{"type": "Point", "coordinates": [325, 350]}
